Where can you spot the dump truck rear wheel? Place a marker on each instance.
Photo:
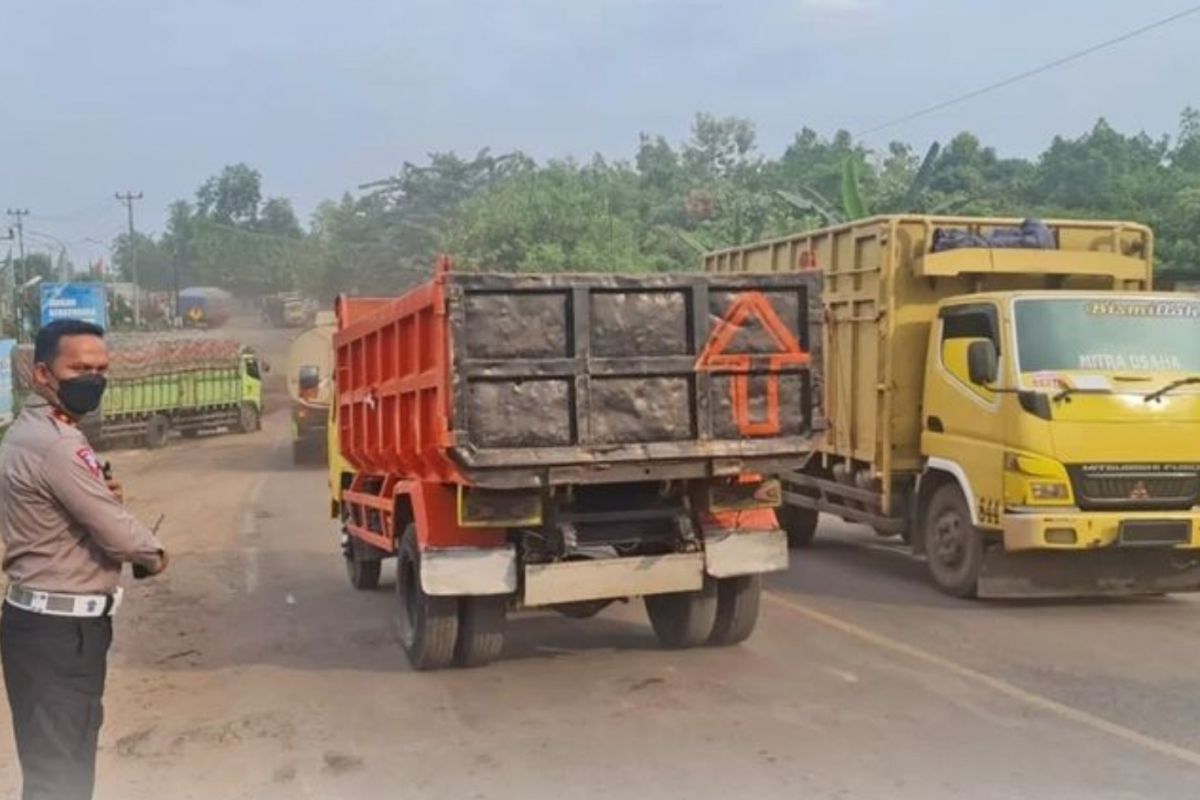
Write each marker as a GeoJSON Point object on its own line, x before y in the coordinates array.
{"type": "Point", "coordinates": [684, 619]}
{"type": "Point", "coordinates": [737, 610]}
{"type": "Point", "coordinates": [362, 569]}
{"type": "Point", "coordinates": [480, 630]}
{"type": "Point", "coordinates": [426, 625]}
{"type": "Point", "coordinates": [953, 545]}
{"type": "Point", "coordinates": [800, 524]}
{"type": "Point", "coordinates": [157, 430]}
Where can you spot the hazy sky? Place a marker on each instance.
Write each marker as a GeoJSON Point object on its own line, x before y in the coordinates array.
{"type": "Point", "coordinates": [104, 95]}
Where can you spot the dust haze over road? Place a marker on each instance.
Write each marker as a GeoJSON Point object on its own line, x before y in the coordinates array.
{"type": "Point", "coordinates": [253, 670]}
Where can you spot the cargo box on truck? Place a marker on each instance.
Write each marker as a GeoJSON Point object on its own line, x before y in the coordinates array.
{"type": "Point", "coordinates": [566, 440]}
{"type": "Point", "coordinates": [159, 383]}
{"type": "Point", "coordinates": [1007, 395]}
{"type": "Point", "coordinates": [204, 307]}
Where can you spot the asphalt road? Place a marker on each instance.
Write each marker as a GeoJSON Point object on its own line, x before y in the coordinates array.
{"type": "Point", "coordinates": [253, 670]}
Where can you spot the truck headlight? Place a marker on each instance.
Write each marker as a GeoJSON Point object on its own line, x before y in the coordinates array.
{"type": "Point", "coordinates": [1035, 480]}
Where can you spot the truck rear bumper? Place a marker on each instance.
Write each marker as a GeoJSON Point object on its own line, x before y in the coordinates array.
{"type": "Point", "coordinates": [1079, 530]}
{"type": "Point", "coordinates": [483, 571]}
{"type": "Point", "coordinates": [573, 581]}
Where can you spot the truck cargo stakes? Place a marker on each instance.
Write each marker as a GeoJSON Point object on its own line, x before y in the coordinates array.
{"type": "Point", "coordinates": [564, 441]}
{"type": "Point", "coordinates": [1010, 397]}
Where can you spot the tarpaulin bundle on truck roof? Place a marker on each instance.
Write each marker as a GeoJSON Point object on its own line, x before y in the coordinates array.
{"type": "Point", "coordinates": [1032, 234]}
{"type": "Point", "coordinates": [137, 356]}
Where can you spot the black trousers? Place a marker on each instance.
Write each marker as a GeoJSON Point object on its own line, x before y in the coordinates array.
{"type": "Point", "coordinates": [54, 670]}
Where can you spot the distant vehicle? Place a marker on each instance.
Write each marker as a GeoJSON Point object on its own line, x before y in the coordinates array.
{"type": "Point", "coordinates": [205, 307]}
{"type": "Point", "coordinates": [159, 383]}
{"type": "Point", "coordinates": [310, 385]}
{"type": "Point", "coordinates": [288, 310]}
{"type": "Point", "coordinates": [295, 313]}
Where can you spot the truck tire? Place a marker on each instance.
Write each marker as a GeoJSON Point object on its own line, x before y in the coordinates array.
{"type": "Point", "coordinates": [737, 610]}
{"type": "Point", "coordinates": [800, 524]}
{"type": "Point", "coordinates": [480, 630]}
{"type": "Point", "coordinates": [157, 431]}
{"type": "Point", "coordinates": [953, 545]}
{"type": "Point", "coordinates": [362, 566]}
{"type": "Point", "coordinates": [684, 619]}
{"type": "Point", "coordinates": [427, 626]}
{"type": "Point", "coordinates": [249, 419]}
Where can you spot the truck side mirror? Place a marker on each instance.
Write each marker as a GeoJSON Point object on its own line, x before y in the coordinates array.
{"type": "Point", "coordinates": [983, 363]}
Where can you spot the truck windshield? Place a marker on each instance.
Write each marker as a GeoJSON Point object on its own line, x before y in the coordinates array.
{"type": "Point", "coordinates": [1124, 334]}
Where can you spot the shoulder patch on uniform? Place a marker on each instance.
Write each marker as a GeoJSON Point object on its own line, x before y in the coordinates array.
{"type": "Point", "coordinates": [88, 457]}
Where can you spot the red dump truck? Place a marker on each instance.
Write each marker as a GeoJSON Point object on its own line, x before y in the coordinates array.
{"type": "Point", "coordinates": [565, 441]}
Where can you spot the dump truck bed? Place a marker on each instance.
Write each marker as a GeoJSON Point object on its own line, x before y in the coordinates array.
{"type": "Point", "coordinates": [527, 380]}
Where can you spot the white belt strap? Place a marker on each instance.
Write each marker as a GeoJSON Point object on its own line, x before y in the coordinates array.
{"type": "Point", "coordinates": [57, 604]}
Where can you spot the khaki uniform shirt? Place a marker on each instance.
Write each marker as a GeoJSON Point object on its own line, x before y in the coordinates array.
{"type": "Point", "coordinates": [63, 530]}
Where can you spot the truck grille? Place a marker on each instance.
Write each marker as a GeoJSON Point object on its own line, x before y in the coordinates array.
{"type": "Point", "coordinates": [1119, 488]}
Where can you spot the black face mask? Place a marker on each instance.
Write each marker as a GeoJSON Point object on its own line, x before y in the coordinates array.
{"type": "Point", "coordinates": [81, 395]}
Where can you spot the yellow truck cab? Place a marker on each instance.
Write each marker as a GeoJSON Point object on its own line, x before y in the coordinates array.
{"type": "Point", "coordinates": [1011, 397]}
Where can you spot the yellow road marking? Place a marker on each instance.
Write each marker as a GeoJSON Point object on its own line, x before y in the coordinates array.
{"type": "Point", "coordinates": [998, 685]}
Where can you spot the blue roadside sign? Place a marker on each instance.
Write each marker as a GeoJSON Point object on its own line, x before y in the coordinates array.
{"type": "Point", "coordinates": [6, 387]}
{"type": "Point", "coordinates": [85, 301]}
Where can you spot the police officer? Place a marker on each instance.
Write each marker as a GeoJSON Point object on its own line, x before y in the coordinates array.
{"type": "Point", "coordinates": [66, 534]}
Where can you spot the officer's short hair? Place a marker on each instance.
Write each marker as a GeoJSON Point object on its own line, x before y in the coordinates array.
{"type": "Point", "coordinates": [45, 346]}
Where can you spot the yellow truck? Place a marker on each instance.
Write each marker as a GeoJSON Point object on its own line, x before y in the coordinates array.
{"type": "Point", "coordinates": [1010, 397]}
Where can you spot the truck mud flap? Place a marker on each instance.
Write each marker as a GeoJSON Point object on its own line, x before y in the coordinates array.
{"type": "Point", "coordinates": [1112, 572]}
{"type": "Point", "coordinates": [729, 555]}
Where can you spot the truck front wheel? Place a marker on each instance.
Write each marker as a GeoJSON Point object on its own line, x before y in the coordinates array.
{"type": "Point", "coordinates": [684, 619]}
{"type": "Point", "coordinates": [426, 625]}
{"type": "Point", "coordinates": [953, 545]}
{"type": "Point", "coordinates": [737, 610]}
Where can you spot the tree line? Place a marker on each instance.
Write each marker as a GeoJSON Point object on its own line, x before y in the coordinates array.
{"type": "Point", "coordinates": [656, 211]}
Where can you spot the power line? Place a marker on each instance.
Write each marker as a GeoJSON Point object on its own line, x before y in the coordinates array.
{"type": "Point", "coordinates": [1058, 62]}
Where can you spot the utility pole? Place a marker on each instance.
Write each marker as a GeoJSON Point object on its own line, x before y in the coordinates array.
{"type": "Point", "coordinates": [127, 198]}
{"type": "Point", "coordinates": [178, 256]}
{"type": "Point", "coordinates": [10, 236]}
{"type": "Point", "coordinates": [18, 275]}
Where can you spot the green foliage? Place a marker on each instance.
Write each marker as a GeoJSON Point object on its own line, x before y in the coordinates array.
{"type": "Point", "coordinates": [658, 211]}
{"type": "Point", "coordinates": [852, 200]}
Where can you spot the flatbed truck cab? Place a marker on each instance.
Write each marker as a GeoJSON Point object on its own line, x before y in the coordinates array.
{"type": "Point", "coordinates": [1017, 404]}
